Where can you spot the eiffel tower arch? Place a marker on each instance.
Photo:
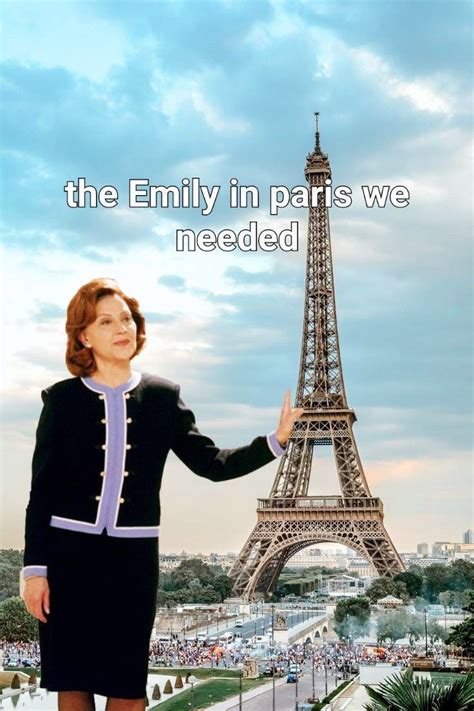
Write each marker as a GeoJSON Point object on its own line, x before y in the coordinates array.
{"type": "Point", "coordinates": [289, 520]}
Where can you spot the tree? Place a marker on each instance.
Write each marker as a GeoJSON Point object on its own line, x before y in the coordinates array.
{"type": "Point", "coordinates": [415, 628]}
{"type": "Point", "coordinates": [420, 604]}
{"type": "Point", "coordinates": [401, 692]}
{"type": "Point", "coordinates": [392, 625]}
{"type": "Point", "coordinates": [462, 575]}
{"type": "Point", "coordinates": [435, 631]}
{"type": "Point", "coordinates": [446, 598]}
{"type": "Point", "coordinates": [437, 579]}
{"type": "Point", "coordinates": [189, 570]}
{"type": "Point", "coordinates": [11, 562]}
{"type": "Point", "coordinates": [463, 634]}
{"type": "Point", "coordinates": [352, 617]}
{"type": "Point", "coordinates": [16, 623]}
{"type": "Point", "coordinates": [381, 587]}
{"type": "Point", "coordinates": [193, 581]}
{"type": "Point", "coordinates": [412, 580]}
{"type": "Point", "coordinates": [454, 599]}
{"type": "Point", "coordinates": [222, 584]}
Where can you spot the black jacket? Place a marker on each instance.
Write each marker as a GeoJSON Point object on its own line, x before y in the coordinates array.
{"type": "Point", "coordinates": [68, 460]}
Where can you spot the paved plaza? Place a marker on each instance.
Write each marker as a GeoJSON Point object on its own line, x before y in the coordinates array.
{"type": "Point", "coordinates": [43, 700]}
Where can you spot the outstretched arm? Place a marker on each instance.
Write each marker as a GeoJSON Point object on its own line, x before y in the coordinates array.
{"type": "Point", "coordinates": [204, 458]}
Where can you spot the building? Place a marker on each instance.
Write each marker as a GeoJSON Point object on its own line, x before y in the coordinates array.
{"type": "Point", "coordinates": [362, 568]}
{"type": "Point", "coordinates": [454, 551]}
{"type": "Point", "coordinates": [317, 557]}
{"type": "Point", "coordinates": [439, 548]}
{"type": "Point", "coordinates": [389, 602]}
{"type": "Point", "coordinates": [342, 586]}
{"type": "Point", "coordinates": [422, 550]}
{"type": "Point", "coordinates": [467, 536]}
{"type": "Point", "coordinates": [414, 559]}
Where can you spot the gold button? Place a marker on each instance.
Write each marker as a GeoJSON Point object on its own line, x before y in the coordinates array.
{"type": "Point", "coordinates": [104, 446]}
{"type": "Point", "coordinates": [121, 501]}
{"type": "Point", "coordinates": [102, 473]}
{"type": "Point", "coordinates": [103, 420]}
{"type": "Point", "coordinates": [129, 446]}
{"type": "Point", "coordinates": [97, 498]}
{"type": "Point", "coordinates": [129, 419]}
{"type": "Point", "coordinates": [101, 397]}
{"type": "Point", "coordinates": [125, 473]}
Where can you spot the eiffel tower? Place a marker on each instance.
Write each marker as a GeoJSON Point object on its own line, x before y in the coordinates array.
{"type": "Point", "coordinates": [289, 520]}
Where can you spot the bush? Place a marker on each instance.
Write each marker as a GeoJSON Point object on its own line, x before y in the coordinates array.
{"type": "Point", "coordinates": [178, 684]}
{"type": "Point", "coordinates": [403, 691]}
{"type": "Point", "coordinates": [168, 688]}
{"type": "Point", "coordinates": [16, 682]}
{"type": "Point", "coordinates": [156, 693]}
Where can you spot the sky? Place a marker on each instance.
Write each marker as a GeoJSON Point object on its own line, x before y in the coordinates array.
{"type": "Point", "coordinates": [163, 91]}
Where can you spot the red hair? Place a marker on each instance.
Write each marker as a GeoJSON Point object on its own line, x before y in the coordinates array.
{"type": "Point", "coordinates": [81, 312]}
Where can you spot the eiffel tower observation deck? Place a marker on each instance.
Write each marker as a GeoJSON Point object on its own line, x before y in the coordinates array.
{"type": "Point", "coordinates": [289, 520]}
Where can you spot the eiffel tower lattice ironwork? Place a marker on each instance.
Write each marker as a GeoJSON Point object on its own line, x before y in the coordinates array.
{"type": "Point", "coordinates": [289, 520]}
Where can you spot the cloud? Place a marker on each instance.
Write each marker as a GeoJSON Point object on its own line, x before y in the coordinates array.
{"type": "Point", "coordinates": [423, 95]}
{"type": "Point", "coordinates": [49, 311]}
{"type": "Point", "coordinates": [65, 35]}
{"type": "Point", "coordinates": [173, 281]}
{"type": "Point", "coordinates": [153, 317]}
{"type": "Point", "coordinates": [241, 276]}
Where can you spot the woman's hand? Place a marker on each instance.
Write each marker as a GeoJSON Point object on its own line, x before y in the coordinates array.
{"type": "Point", "coordinates": [288, 417]}
{"type": "Point", "coordinates": [36, 597]}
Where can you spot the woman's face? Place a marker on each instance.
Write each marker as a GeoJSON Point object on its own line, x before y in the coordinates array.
{"type": "Point", "coordinates": [113, 334]}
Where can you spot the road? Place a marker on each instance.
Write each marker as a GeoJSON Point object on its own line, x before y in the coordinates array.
{"type": "Point", "coordinates": [285, 694]}
{"type": "Point", "coordinates": [258, 626]}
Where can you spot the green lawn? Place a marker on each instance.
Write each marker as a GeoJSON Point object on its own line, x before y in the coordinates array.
{"type": "Point", "coordinates": [198, 672]}
{"type": "Point", "coordinates": [446, 677]}
{"type": "Point", "coordinates": [208, 693]}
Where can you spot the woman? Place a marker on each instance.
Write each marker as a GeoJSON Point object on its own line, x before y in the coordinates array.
{"type": "Point", "coordinates": [92, 521]}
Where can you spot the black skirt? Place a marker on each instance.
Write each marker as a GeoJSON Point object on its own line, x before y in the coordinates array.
{"type": "Point", "coordinates": [103, 604]}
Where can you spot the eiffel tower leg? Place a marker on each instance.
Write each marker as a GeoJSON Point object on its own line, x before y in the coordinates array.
{"type": "Point", "coordinates": [292, 478]}
{"type": "Point", "coordinates": [254, 549]}
{"type": "Point", "coordinates": [269, 579]}
{"type": "Point", "coordinates": [349, 467]}
{"type": "Point", "coordinates": [379, 548]}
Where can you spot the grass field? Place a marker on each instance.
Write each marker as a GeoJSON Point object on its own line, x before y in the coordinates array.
{"type": "Point", "coordinates": [209, 692]}
{"type": "Point", "coordinates": [445, 677]}
{"type": "Point", "coordinates": [198, 672]}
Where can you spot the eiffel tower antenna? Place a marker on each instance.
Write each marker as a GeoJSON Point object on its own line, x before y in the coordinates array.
{"type": "Point", "coordinates": [289, 520]}
{"type": "Point", "coordinates": [317, 147]}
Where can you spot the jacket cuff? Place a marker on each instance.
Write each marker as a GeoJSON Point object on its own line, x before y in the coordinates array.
{"type": "Point", "coordinates": [274, 446]}
{"type": "Point", "coordinates": [34, 570]}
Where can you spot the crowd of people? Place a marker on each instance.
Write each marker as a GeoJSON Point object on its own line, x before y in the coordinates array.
{"type": "Point", "coordinates": [21, 654]}
{"type": "Point", "coordinates": [342, 659]}
{"type": "Point", "coordinates": [337, 659]}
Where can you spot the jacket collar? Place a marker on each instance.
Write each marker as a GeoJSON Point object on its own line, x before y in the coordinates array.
{"type": "Point", "coordinates": [105, 389]}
